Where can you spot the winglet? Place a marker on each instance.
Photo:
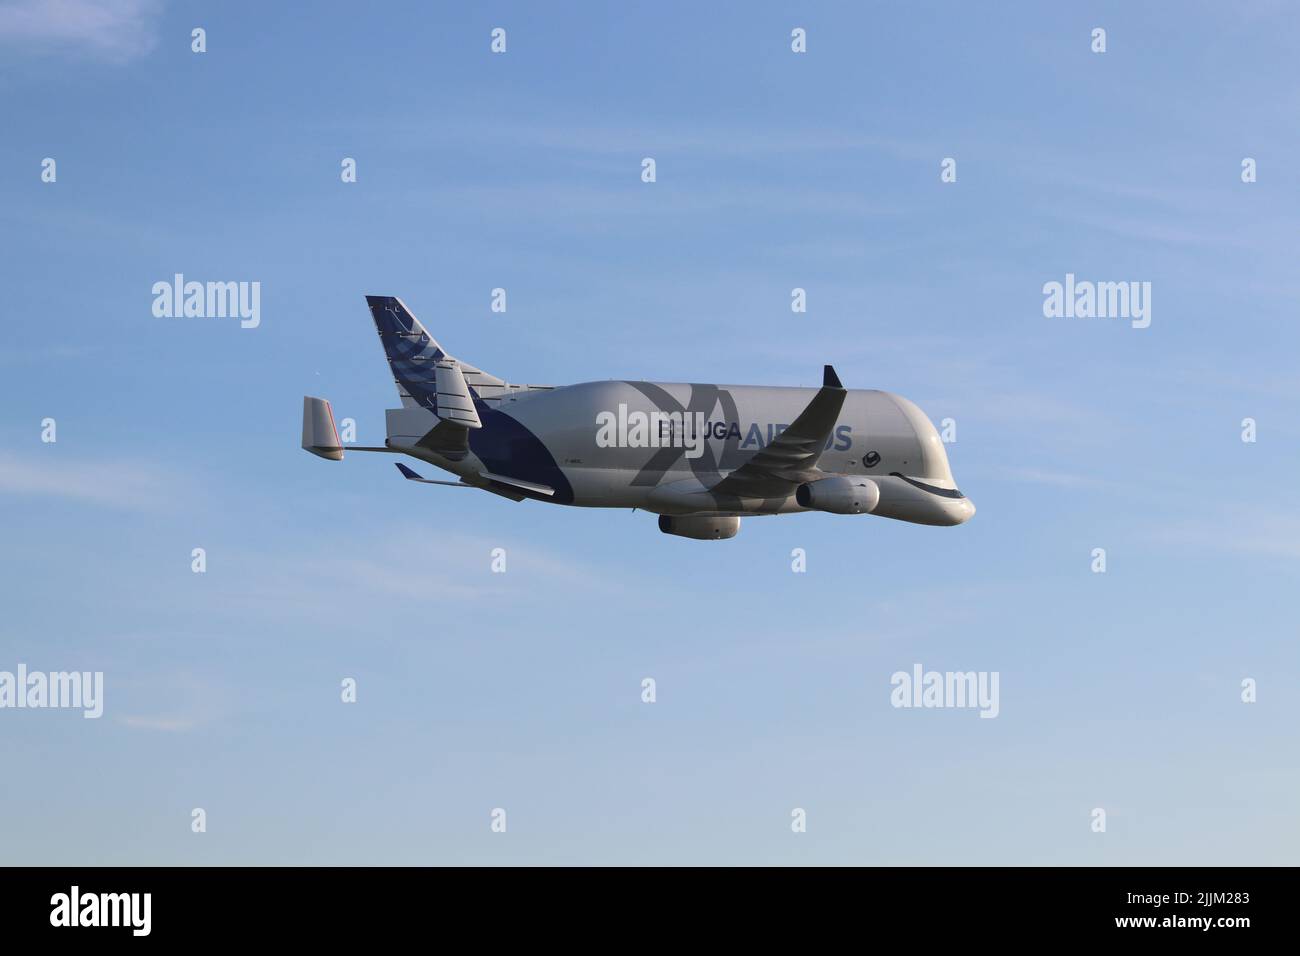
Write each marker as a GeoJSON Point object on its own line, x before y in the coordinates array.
{"type": "Point", "coordinates": [830, 379]}
{"type": "Point", "coordinates": [406, 472]}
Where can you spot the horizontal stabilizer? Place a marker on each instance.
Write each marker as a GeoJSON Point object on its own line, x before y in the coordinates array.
{"type": "Point", "coordinates": [532, 486]}
{"type": "Point", "coordinates": [319, 436]}
{"type": "Point", "coordinates": [409, 475]}
{"type": "Point", "coordinates": [517, 483]}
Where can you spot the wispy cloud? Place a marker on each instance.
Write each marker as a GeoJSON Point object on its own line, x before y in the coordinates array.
{"type": "Point", "coordinates": [1250, 531]}
{"type": "Point", "coordinates": [327, 581]}
{"type": "Point", "coordinates": [43, 353]}
{"type": "Point", "coordinates": [165, 724]}
{"type": "Point", "coordinates": [112, 30]}
{"type": "Point", "coordinates": [1059, 479]}
{"type": "Point", "coordinates": [621, 140]}
{"type": "Point", "coordinates": [119, 484]}
{"type": "Point", "coordinates": [1156, 226]}
{"type": "Point", "coordinates": [396, 567]}
{"type": "Point", "coordinates": [171, 702]}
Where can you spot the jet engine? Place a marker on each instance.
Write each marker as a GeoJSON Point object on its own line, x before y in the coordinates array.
{"type": "Point", "coordinates": [839, 494]}
{"type": "Point", "coordinates": [700, 527]}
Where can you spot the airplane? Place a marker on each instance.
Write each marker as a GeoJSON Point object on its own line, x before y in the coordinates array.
{"type": "Point", "coordinates": [701, 457]}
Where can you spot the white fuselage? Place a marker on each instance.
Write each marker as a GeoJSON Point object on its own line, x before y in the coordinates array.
{"type": "Point", "coordinates": [660, 446]}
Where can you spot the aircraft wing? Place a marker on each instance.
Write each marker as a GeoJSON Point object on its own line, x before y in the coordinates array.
{"type": "Point", "coordinates": [790, 459]}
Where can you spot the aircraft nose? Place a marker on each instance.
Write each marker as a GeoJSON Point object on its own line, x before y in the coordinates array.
{"type": "Point", "coordinates": [961, 510]}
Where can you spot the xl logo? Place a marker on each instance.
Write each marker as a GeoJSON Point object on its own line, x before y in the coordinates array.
{"type": "Point", "coordinates": [704, 464]}
{"type": "Point", "coordinates": [702, 401]}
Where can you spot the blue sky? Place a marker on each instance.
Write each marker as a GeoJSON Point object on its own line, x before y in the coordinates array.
{"type": "Point", "coordinates": [522, 690]}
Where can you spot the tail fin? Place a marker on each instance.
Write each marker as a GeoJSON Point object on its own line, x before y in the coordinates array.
{"type": "Point", "coordinates": [411, 350]}
{"type": "Point", "coordinates": [414, 355]}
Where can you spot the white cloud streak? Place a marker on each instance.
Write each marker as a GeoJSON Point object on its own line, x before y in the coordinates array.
{"type": "Point", "coordinates": [111, 30]}
{"type": "Point", "coordinates": [118, 484]}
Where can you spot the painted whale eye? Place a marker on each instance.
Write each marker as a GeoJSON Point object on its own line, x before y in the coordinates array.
{"type": "Point", "coordinates": [871, 459]}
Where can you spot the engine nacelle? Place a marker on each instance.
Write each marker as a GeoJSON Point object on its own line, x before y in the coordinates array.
{"type": "Point", "coordinates": [700, 527]}
{"type": "Point", "coordinates": [840, 494]}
